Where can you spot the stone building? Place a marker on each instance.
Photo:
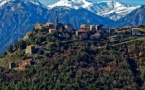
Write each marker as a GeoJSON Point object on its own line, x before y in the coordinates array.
{"type": "Point", "coordinates": [27, 36]}
{"type": "Point", "coordinates": [30, 49]}
{"type": "Point", "coordinates": [12, 65]}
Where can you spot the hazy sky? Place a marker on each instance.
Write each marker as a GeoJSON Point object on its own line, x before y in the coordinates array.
{"type": "Point", "coordinates": [130, 2]}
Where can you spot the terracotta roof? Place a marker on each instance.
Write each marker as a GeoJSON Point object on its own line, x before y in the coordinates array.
{"type": "Point", "coordinates": [81, 31]}
{"type": "Point", "coordinates": [23, 64]}
{"type": "Point", "coordinates": [123, 31]}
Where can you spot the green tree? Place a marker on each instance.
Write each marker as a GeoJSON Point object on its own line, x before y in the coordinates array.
{"type": "Point", "coordinates": [38, 40]}
{"type": "Point", "coordinates": [21, 44]}
{"type": "Point", "coordinates": [10, 49]}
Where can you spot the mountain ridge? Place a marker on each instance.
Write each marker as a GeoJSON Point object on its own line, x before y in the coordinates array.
{"type": "Point", "coordinates": [18, 17]}
{"type": "Point", "coordinates": [110, 9]}
{"type": "Point", "coordinates": [134, 18]}
{"type": "Point", "coordinates": [72, 16]}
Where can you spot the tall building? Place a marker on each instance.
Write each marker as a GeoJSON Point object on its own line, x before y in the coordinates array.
{"type": "Point", "coordinates": [57, 21]}
{"type": "Point", "coordinates": [30, 49]}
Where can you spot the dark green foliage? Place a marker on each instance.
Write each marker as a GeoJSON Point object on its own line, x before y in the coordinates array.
{"type": "Point", "coordinates": [77, 65]}
{"type": "Point", "coordinates": [20, 55]}
{"type": "Point", "coordinates": [10, 49]}
{"type": "Point", "coordinates": [81, 68]}
{"type": "Point", "coordinates": [21, 45]}
{"type": "Point", "coordinates": [40, 52]}
{"type": "Point", "coordinates": [38, 40]}
{"type": "Point", "coordinates": [32, 40]}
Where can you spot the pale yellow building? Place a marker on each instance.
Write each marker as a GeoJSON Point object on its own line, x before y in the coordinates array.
{"type": "Point", "coordinates": [52, 31]}
{"type": "Point", "coordinates": [50, 25]}
{"type": "Point", "coordinates": [30, 49]}
{"type": "Point", "coordinates": [27, 36]}
{"type": "Point", "coordinates": [39, 26]}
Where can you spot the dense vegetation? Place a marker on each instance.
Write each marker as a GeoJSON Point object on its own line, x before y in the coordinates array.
{"type": "Point", "coordinates": [75, 64]}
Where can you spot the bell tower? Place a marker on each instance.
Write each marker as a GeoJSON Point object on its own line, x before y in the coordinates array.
{"type": "Point", "coordinates": [56, 20]}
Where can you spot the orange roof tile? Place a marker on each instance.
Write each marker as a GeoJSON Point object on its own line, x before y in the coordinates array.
{"type": "Point", "coordinates": [81, 31]}
{"type": "Point", "coordinates": [22, 65]}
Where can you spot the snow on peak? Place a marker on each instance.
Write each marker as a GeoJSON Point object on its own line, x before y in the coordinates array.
{"type": "Point", "coordinates": [2, 2]}
{"type": "Point", "coordinates": [113, 9]}
{"type": "Point", "coordinates": [75, 4]}
{"type": "Point", "coordinates": [9, 2]}
{"type": "Point", "coordinates": [36, 2]}
{"type": "Point", "coordinates": [113, 4]}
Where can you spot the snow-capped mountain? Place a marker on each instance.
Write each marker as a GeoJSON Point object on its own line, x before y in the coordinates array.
{"type": "Point", "coordinates": [19, 16]}
{"type": "Point", "coordinates": [136, 17]}
{"type": "Point", "coordinates": [111, 9]}
{"type": "Point", "coordinates": [74, 4]}
{"type": "Point", "coordinates": [2, 2]}
{"type": "Point", "coordinates": [16, 18]}
{"type": "Point", "coordinates": [76, 17]}
{"type": "Point", "coordinates": [36, 2]}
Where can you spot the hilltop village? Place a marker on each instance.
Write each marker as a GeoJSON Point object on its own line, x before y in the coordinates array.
{"type": "Point", "coordinates": [43, 37]}
{"type": "Point", "coordinates": [92, 56]}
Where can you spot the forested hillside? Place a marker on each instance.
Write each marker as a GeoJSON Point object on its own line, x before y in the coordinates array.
{"type": "Point", "coordinates": [74, 64]}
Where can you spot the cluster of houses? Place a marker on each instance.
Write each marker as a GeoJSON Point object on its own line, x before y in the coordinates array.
{"type": "Point", "coordinates": [86, 31]}
{"type": "Point", "coordinates": [26, 62]}
{"type": "Point", "coordinates": [22, 65]}
{"type": "Point", "coordinates": [134, 31]}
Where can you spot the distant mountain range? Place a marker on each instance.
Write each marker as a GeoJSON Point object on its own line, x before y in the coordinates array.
{"type": "Point", "coordinates": [136, 17]}
{"type": "Point", "coordinates": [16, 18]}
{"type": "Point", "coordinates": [19, 16]}
{"type": "Point", "coordinates": [76, 17]}
{"type": "Point", "coordinates": [111, 9]}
